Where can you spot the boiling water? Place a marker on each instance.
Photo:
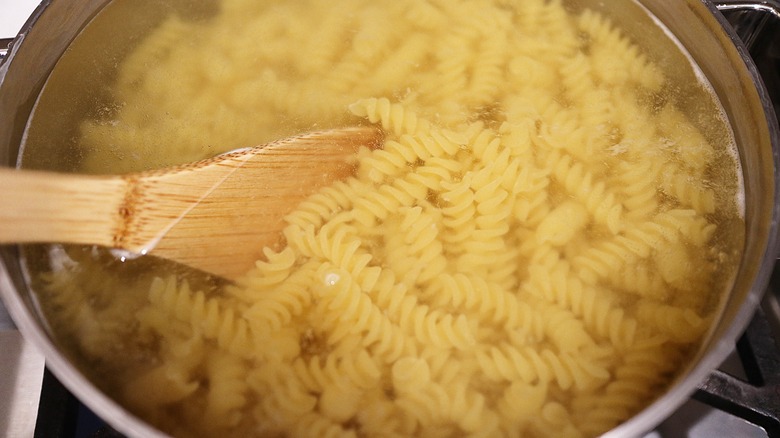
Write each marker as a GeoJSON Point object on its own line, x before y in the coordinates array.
{"type": "Point", "coordinates": [205, 78]}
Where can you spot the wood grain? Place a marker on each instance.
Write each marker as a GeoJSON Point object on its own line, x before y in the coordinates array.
{"type": "Point", "coordinates": [215, 215]}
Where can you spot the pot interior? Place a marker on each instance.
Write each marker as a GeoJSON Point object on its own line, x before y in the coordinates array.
{"type": "Point", "coordinates": [78, 123]}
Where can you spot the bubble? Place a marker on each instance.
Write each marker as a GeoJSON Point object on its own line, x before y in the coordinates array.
{"type": "Point", "coordinates": [331, 278]}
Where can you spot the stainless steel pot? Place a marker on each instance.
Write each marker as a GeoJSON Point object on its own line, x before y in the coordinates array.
{"type": "Point", "coordinates": [697, 24]}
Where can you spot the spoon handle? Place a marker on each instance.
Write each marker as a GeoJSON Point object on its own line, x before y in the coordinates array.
{"type": "Point", "coordinates": [217, 215]}
{"type": "Point", "coordinates": [37, 206]}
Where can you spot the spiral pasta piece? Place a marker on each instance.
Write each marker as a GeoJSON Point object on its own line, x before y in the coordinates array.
{"type": "Point", "coordinates": [358, 370]}
{"type": "Point", "coordinates": [357, 314]}
{"type": "Point", "coordinates": [393, 117]}
{"type": "Point", "coordinates": [505, 362]}
{"type": "Point", "coordinates": [596, 307]}
{"type": "Point", "coordinates": [227, 391]}
{"type": "Point", "coordinates": [593, 194]}
{"type": "Point", "coordinates": [221, 324]}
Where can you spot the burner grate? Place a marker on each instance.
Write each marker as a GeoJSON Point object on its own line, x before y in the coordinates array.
{"type": "Point", "coordinates": [62, 415]}
{"type": "Point", "coordinates": [756, 398]}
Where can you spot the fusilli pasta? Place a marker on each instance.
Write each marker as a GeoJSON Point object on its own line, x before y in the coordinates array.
{"type": "Point", "coordinates": [531, 253]}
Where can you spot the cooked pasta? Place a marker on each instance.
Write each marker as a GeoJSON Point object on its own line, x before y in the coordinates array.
{"type": "Point", "coordinates": [531, 253]}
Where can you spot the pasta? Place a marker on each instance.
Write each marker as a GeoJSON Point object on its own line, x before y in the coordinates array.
{"type": "Point", "coordinates": [531, 253]}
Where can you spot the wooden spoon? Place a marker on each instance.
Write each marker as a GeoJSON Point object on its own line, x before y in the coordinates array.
{"type": "Point", "coordinates": [215, 215]}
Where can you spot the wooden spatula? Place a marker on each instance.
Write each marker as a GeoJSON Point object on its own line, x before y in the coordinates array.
{"type": "Point", "coordinates": [215, 215]}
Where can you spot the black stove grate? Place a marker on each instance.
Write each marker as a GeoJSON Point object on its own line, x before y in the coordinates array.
{"type": "Point", "coordinates": [754, 399]}
{"type": "Point", "coordinates": [62, 415]}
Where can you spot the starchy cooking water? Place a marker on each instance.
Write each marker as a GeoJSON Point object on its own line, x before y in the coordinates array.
{"type": "Point", "coordinates": [538, 249]}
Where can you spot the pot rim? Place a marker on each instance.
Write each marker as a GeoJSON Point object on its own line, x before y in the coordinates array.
{"type": "Point", "coordinates": [687, 383]}
{"type": "Point", "coordinates": [56, 362]}
{"type": "Point", "coordinates": [640, 423]}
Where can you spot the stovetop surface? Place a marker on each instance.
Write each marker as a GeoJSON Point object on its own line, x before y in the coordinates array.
{"type": "Point", "coordinates": [14, 15]}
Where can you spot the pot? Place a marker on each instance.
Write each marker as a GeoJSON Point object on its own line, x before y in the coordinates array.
{"type": "Point", "coordinates": [696, 24]}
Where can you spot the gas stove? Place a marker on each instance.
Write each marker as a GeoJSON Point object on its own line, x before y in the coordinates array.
{"type": "Point", "coordinates": [740, 399]}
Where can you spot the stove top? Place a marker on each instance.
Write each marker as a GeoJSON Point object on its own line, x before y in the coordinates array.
{"type": "Point", "coordinates": [15, 13]}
